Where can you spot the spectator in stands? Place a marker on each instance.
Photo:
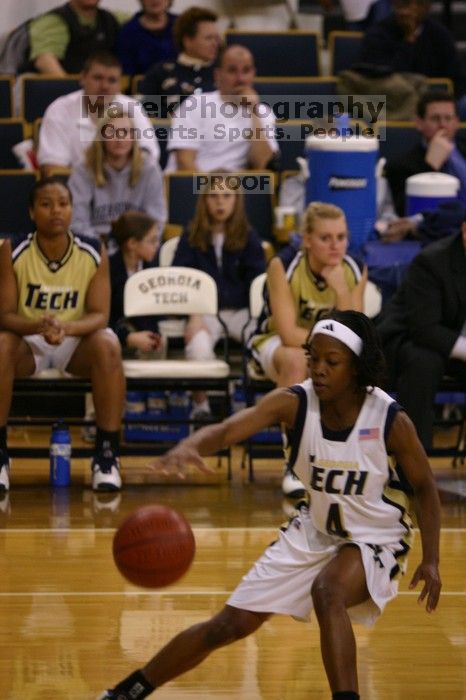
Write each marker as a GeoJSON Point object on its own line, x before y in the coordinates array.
{"type": "Point", "coordinates": [198, 40]}
{"type": "Point", "coordinates": [70, 122]}
{"type": "Point", "coordinates": [302, 284]}
{"type": "Point", "coordinates": [147, 38]}
{"type": "Point", "coordinates": [410, 41]}
{"type": "Point", "coordinates": [137, 236]}
{"type": "Point", "coordinates": [228, 129]}
{"type": "Point", "coordinates": [117, 175]}
{"type": "Point", "coordinates": [55, 301]}
{"type": "Point", "coordinates": [219, 241]}
{"type": "Point", "coordinates": [62, 39]}
{"type": "Point", "coordinates": [423, 328]}
{"type": "Point", "coordinates": [361, 14]}
{"type": "Point", "coordinates": [439, 150]}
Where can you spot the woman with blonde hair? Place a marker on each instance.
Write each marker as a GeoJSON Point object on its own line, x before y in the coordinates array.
{"type": "Point", "coordinates": [301, 286]}
{"type": "Point", "coordinates": [116, 175]}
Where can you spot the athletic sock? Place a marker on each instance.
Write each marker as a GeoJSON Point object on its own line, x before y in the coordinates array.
{"type": "Point", "coordinates": [345, 695]}
{"type": "Point", "coordinates": [107, 440]}
{"type": "Point", "coordinates": [135, 687]}
{"type": "Point", "coordinates": [3, 447]}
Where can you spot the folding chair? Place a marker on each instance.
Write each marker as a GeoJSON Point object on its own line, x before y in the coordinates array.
{"type": "Point", "coordinates": [280, 53]}
{"type": "Point", "coordinates": [11, 133]}
{"type": "Point", "coordinates": [6, 96]}
{"type": "Point", "coordinates": [170, 327]}
{"type": "Point", "coordinates": [177, 291]}
{"type": "Point", "coordinates": [15, 186]}
{"type": "Point", "coordinates": [279, 86]}
{"type": "Point", "coordinates": [291, 137]}
{"type": "Point", "coordinates": [38, 91]}
{"type": "Point", "coordinates": [442, 84]}
{"type": "Point", "coordinates": [167, 251]}
{"type": "Point", "coordinates": [254, 384]}
{"type": "Point", "coordinates": [290, 97]}
{"type": "Point", "coordinates": [396, 138]}
{"type": "Point", "coordinates": [136, 81]}
{"type": "Point", "coordinates": [344, 49]}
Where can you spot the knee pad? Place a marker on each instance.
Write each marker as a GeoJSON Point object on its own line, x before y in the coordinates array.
{"type": "Point", "coordinates": [200, 347]}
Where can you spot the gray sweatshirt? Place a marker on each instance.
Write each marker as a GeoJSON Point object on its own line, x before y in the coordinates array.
{"type": "Point", "coordinates": [94, 208]}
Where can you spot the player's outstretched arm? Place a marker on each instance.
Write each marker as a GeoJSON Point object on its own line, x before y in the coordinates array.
{"type": "Point", "coordinates": [406, 447]}
{"type": "Point", "coordinates": [279, 406]}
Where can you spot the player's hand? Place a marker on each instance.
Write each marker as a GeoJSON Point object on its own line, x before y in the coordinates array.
{"type": "Point", "coordinates": [178, 460]}
{"type": "Point", "coordinates": [398, 229]}
{"type": "Point", "coordinates": [361, 285]}
{"type": "Point", "coordinates": [245, 95]}
{"type": "Point", "coordinates": [439, 150]}
{"type": "Point", "coordinates": [428, 573]}
{"type": "Point", "coordinates": [145, 341]}
{"type": "Point", "coordinates": [52, 330]}
{"type": "Point", "coordinates": [334, 275]}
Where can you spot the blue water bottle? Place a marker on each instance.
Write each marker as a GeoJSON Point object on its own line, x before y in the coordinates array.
{"type": "Point", "coordinates": [60, 455]}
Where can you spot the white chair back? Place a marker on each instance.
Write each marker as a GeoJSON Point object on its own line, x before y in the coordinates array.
{"type": "Point", "coordinates": [256, 298]}
{"type": "Point", "coordinates": [167, 251]}
{"type": "Point", "coordinates": [372, 300]}
{"type": "Point", "coordinates": [170, 291]}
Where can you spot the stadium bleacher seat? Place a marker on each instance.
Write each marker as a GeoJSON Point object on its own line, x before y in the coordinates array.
{"type": "Point", "coordinates": [6, 96]}
{"type": "Point", "coordinates": [288, 53]}
{"type": "Point", "coordinates": [343, 49]}
{"type": "Point", "coordinates": [395, 138]}
{"type": "Point", "coordinates": [15, 186]}
{"type": "Point", "coordinates": [38, 91]}
{"type": "Point", "coordinates": [11, 133]}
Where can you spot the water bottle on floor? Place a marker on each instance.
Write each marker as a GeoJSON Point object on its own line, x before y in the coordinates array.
{"type": "Point", "coordinates": [60, 455]}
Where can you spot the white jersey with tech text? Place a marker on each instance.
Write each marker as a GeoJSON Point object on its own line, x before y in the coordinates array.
{"type": "Point", "coordinates": [356, 490]}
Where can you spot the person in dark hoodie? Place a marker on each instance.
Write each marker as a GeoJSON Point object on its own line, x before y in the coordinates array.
{"type": "Point", "coordinates": [117, 175]}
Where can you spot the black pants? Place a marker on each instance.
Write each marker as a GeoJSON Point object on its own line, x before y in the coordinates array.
{"type": "Point", "coordinates": [415, 375]}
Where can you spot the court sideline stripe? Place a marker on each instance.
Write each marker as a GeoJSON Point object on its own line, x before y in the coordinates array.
{"type": "Point", "coordinates": [187, 592]}
{"type": "Point", "coordinates": [106, 530]}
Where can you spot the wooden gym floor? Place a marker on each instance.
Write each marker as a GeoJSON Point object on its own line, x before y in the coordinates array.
{"type": "Point", "coordinates": [70, 625]}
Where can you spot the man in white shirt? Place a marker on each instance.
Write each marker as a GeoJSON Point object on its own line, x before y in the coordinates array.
{"type": "Point", "coordinates": [70, 122]}
{"type": "Point", "coordinates": [228, 129]}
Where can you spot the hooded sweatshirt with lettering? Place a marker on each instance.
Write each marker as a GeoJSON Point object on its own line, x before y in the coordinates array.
{"type": "Point", "coordinates": [94, 208]}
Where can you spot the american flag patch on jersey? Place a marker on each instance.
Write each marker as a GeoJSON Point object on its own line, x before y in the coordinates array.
{"type": "Point", "coordinates": [369, 434]}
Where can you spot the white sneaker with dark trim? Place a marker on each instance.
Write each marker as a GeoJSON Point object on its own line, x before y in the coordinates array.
{"type": "Point", "coordinates": [4, 473]}
{"type": "Point", "coordinates": [106, 472]}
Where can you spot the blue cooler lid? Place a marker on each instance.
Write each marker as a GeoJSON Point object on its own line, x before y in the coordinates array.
{"type": "Point", "coordinates": [432, 185]}
{"type": "Point", "coordinates": [340, 143]}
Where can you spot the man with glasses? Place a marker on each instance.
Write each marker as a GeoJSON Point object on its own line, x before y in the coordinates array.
{"type": "Point", "coordinates": [439, 150]}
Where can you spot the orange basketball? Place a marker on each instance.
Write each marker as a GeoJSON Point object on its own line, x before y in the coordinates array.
{"type": "Point", "coordinates": [154, 546]}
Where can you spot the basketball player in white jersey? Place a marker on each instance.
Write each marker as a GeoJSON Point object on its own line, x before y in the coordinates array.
{"type": "Point", "coordinates": [360, 459]}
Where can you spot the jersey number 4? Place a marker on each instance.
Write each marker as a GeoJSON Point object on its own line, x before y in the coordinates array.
{"type": "Point", "coordinates": [334, 524]}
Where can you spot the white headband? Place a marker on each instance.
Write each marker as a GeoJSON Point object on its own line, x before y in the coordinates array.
{"type": "Point", "coordinates": [338, 330]}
